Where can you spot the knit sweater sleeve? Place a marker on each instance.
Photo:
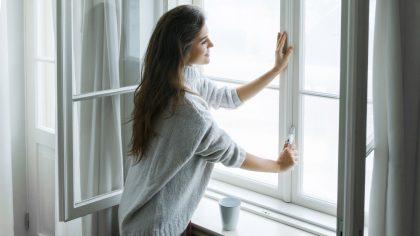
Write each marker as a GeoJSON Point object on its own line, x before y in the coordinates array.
{"type": "Point", "coordinates": [215, 145]}
{"type": "Point", "coordinates": [218, 96]}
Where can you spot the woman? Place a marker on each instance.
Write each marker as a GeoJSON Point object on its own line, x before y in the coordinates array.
{"type": "Point", "coordinates": [175, 141]}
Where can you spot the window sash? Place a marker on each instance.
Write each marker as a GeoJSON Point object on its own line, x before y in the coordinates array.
{"type": "Point", "coordinates": [68, 208]}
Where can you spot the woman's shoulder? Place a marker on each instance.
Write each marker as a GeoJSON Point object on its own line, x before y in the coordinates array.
{"type": "Point", "coordinates": [196, 108]}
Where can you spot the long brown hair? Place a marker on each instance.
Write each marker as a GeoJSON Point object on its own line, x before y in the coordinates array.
{"type": "Point", "coordinates": [162, 72]}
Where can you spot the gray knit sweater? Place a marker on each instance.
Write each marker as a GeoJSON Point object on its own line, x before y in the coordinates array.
{"type": "Point", "coordinates": [162, 191]}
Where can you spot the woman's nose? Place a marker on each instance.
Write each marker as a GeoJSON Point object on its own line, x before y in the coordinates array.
{"type": "Point", "coordinates": [211, 44]}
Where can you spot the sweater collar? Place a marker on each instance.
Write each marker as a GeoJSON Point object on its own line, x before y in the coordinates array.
{"type": "Point", "coordinates": [191, 73]}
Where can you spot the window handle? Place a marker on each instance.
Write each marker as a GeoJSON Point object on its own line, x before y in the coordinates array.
{"type": "Point", "coordinates": [291, 136]}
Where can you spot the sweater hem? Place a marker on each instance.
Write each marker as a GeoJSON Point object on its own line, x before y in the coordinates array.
{"type": "Point", "coordinates": [176, 228]}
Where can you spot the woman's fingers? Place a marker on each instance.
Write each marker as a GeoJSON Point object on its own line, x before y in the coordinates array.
{"type": "Point", "coordinates": [279, 37]}
{"type": "Point", "coordinates": [283, 40]}
{"type": "Point", "coordinates": [289, 51]}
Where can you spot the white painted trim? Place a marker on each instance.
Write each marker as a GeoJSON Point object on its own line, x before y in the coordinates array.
{"type": "Point", "coordinates": [272, 208]}
{"type": "Point", "coordinates": [319, 94]}
{"type": "Point", "coordinates": [44, 59]}
{"type": "Point", "coordinates": [245, 183]}
{"type": "Point", "coordinates": [236, 81]}
{"type": "Point", "coordinates": [286, 96]}
{"type": "Point", "coordinates": [104, 93]}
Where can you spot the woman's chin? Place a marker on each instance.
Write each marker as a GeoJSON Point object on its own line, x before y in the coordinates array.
{"type": "Point", "coordinates": [204, 62]}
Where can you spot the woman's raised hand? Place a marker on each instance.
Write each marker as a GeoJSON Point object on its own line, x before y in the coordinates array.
{"type": "Point", "coordinates": [282, 53]}
{"type": "Point", "coordinates": [288, 158]}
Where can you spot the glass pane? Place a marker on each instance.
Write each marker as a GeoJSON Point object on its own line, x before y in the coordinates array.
{"type": "Point", "coordinates": [255, 127]}
{"type": "Point", "coordinates": [174, 3]}
{"type": "Point", "coordinates": [319, 147]}
{"type": "Point", "coordinates": [131, 65]}
{"type": "Point", "coordinates": [98, 49]}
{"type": "Point", "coordinates": [44, 29]}
{"type": "Point", "coordinates": [368, 179]}
{"type": "Point", "coordinates": [369, 123]}
{"type": "Point", "coordinates": [98, 144]}
{"type": "Point", "coordinates": [45, 94]}
{"type": "Point", "coordinates": [244, 33]}
{"type": "Point", "coordinates": [369, 119]}
{"type": "Point", "coordinates": [321, 45]}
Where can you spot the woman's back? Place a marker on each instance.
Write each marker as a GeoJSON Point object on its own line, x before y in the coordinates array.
{"type": "Point", "coordinates": [163, 189]}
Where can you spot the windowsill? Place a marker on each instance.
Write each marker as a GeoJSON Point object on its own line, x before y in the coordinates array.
{"type": "Point", "coordinates": [268, 215]}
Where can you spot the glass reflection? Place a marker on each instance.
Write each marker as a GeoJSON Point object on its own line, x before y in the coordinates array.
{"type": "Point", "coordinates": [99, 144]}
{"type": "Point", "coordinates": [105, 45]}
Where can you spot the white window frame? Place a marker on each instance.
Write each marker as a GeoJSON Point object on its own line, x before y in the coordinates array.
{"type": "Point", "coordinates": [289, 183]}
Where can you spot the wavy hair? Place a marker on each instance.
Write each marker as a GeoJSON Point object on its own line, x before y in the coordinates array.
{"type": "Point", "coordinates": [162, 72]}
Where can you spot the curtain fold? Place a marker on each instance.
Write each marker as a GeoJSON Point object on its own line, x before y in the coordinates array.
{"type": "Point", "coordinates": [395, 198]}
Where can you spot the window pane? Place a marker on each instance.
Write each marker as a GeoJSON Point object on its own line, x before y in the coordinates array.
{"type": "Point", "coordinates": [369, 123]}
{"type": "Point", "coordinates": [319, 147]}
{"type": "Point", "coordinates": [368, 179]}
{"type": "Point", "coordinates": [174, 3]}
{"type": "Point", "coordinates": [255, 127]}
{"type": "Point", "coordinates": [369, 119]}
{"type": "Point", "coordinates": [44, 29]}
{"type": "Point", "coordinates": [98, 145]}
{"type": "Point", "coordinates": [97, 49]}
{"type": "Point", "coordinates": [321, 45]}
{"type": "Point", "coordinates": [131, 64]}
{"type": "Point", "coordinates": [244, 33]}
{"type": "Point", "coordinates": [45, 95]}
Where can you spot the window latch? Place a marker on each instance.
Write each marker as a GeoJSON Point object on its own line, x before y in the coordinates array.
{"type": "Point", "coordinates": [291, 136]}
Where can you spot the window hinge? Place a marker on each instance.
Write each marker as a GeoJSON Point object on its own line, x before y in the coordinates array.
{"type": "Point", "coordinates": [27, 221]}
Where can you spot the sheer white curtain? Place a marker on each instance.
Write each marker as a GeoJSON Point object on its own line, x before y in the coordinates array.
{"type": "Point", "coordinates": [97, 63]}
{"type": "Point", "coordinates": [395, 195]}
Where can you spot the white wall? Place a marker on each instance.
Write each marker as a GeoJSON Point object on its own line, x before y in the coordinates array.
{"type": "Point", "coordinates": [6, 198]}
{"type": "Point", "coordinates": [12, 120]}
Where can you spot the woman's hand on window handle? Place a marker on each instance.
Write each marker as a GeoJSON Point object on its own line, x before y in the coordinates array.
{"type": "Point", "coordinates": [283, 52]}
{"type": "Point", "coordinates": [288, 158]}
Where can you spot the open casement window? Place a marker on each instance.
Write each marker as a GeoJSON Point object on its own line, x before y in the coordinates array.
{"type": "Point", "coordinates": [306, 95]}
{"type": "Point", "coordinates": [98, 59]}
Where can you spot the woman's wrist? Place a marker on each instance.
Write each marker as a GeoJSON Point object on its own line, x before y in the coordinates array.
{"type": "Point", "coordinates": [276, 71]}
